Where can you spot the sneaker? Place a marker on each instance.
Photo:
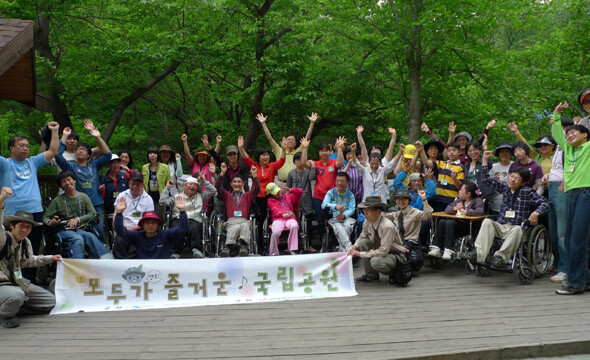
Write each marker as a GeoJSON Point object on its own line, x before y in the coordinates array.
{"type": "Point", "coordinates": [244, 251]}
{"type": "Point", "coordinates": [434, 251]}
{"type": "Point", "coordinates": [224, 252]}
{"type": "Point", "coordinates": [197, 254]}
{"type": "Point", "coordinates": [174, 256]}
{"type": "Point", "coordinates": [448, 255]}
{"type": "Point", "coordinates": [570, 290]}
{"type": "Point", "coordinates": [366, 279]}
{"type": "Point", "coordinates": [292, 252]}
{"type": "Point", "coordinates": [498, 261]}
{"type": "Point", "coordinates": [10, 322]}
{"type": "Point", "coordinates": [559, 277]}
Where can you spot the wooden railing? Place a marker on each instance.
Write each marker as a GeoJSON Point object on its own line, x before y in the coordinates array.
{"type": "Point", "coordinates": [48, 188]}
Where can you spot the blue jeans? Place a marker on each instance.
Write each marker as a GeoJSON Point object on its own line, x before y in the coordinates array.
{"type": "Point", "coordinates": [557, 223]}
{"type": "Point", "coordinates": [317, 207]}
{"type": "Point", "coordinates": [76, 239]}
{"type": "Point", "coordinates": [100, 226]}
{"type": "Point", "coordinates": [577, 235]}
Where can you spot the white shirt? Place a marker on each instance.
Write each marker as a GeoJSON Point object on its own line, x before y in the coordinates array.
{"type": "Point", "coordinates": [374, 181]}
{"type": "Point", "coordinates": [135, 207]}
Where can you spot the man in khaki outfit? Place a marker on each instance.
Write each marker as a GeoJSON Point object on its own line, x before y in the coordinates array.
{"type": "Point", "coordinates": [379, 246]}
{"type": "Point", "coordinates": [17, 294]}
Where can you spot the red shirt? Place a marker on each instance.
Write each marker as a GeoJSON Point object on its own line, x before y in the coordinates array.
{"type": "Point", "coordinates": [265, 175]}
{"type": "Point", "coordinates": [325, 178]}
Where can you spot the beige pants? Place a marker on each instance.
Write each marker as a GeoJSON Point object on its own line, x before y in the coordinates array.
{"type": "Point", "coordinates": [490, 229]}
{"type": "Point", "coordinates": [237, 228]}
{"type": "Point", "coordinates": [14, 300]}
{"type": "Point", "coordinates": [379, 264]}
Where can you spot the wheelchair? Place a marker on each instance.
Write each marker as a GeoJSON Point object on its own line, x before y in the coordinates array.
{"type": "Point", "coordinates": [206, 233]}
{"type": "Point", "coordinates": [461, 246]}
{"type": "Point", "coordinates": [329, 240]}
{"type": "Point", "coordinates": [302, 234]}
{"type": "Point", "coordinates": [218, 233]}
{"type": "Point", "coordinates": [532, 259]}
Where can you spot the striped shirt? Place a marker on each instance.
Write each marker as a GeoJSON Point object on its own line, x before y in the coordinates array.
{"type": "Point", "coordinates": [446, 188]}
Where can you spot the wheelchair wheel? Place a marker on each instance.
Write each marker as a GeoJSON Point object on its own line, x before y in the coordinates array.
{"type": "Point", "coordinates": [303, 234]}
{"type": "Point", "coordinates": [538, 250]}
{"type": "Point", "coordinates": [526, 275]}
{"type": "Point", "coordinates": [470, 268]}
{"type": "Point", "coordinates": [253, 235]}
{"type": "Point", "coordinates": [216, 233]}
{"type": "Point", "coordinates": [483, 270]}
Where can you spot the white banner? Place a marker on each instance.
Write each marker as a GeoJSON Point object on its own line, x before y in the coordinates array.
{"type": "Point", "coordinates": [107, 285]}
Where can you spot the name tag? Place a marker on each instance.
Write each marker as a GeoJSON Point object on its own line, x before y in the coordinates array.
{"type": "Point", "coordinates": [237, 213]}
{"type": "Point", "coordinates": [18, 275]}
{"type": "Point", "coordinates": [510, 214]}
{"type": "Point", "coordinates": [194, 216]}
{"type": "Point", "coordinates": [444, 182]}
{"type": "Point", "coordinates": [572, 167]}
{"type": "Point", "coordinates": [87, 185]}
{"type": "Point", "coordinates": [136, 214]}
{"type": "Point", "coordinates": [115, 194]}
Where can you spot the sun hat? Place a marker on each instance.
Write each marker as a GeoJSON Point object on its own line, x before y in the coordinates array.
{"type": "Point", "coordinates": [372, 202]}
{"type": "Point", "coordinates": [150, 215]}
{"type": "Point", "coordinates": [404, 193]}
{"type": "Point", "coordinates": [21, 216]}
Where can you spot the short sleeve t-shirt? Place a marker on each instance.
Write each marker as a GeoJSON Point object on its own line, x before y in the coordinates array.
{"type": "Point", "coordinates": [289, 165]}
{"type": "Point", "coordinates": [325, 178]}
{"type": "Point", "coordinates": [21, 176]}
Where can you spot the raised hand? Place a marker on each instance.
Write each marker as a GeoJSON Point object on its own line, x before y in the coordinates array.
{"type": "Point", "coordinates": [201, 177]}
{"type": "Point", "coordinates": [240, 141]}
{"type": "Point", "coordinates": [253, 171]}
{"type": "Point", "coordinates": [391, 131]}
{"type": "Point", "coordinates": [184, 138]}
{"type": "Point", "coordinates": [53, 126]}
{"type": "Point", "coordinates": [212, 168]}
{"type": "Point", "coordinates": [5, 193]}
{"type": "Point", "coordinates": [94, 132]}
{"type": "Point", "coordinates": [179, 203]}
{"type": "Point", "coordinates": [576, 120]}
{"type": "Point", "coordinates": [121, 205]}
{"type": "Point", "coordinates": [218, 139]}
{"type": "Point", "coordinates": [360, 129]}
{"type": "Point", "coordinates": [561, 106]}
{"type": "Point", "coordinates": [313, 117]}
{"type": "Point", "coordinates": [419, 146]}
{"type": "Point", "coordinates": [284, 143]}
{"type": "Point", "coordinates": [340, 142]}
{"type": "Point", "coordinates": [178, 155]}
{"type": "Point", "coordinates": [452, 127]}
{"type": "Point", "coordinates": [205, 140]}
{"type": "Point", "coordinates": [491, 124]}
{"type": "Point", "coordinates": [170, 184]}
{"type": "Point", "coordinates": [512, 127]}
{"type": "Point", "coordinates": [424, 127]}
{"type": "Point", "coordinates": [484, 144]}
{"type": "Point", "coordinates": [260, 117]}
{"type": "Point", "coordinates": [487, 154]}
{"type": "Point", "coordinates": [422, 194]}
{"type": "Point", "coordinates": [304, 142]}
{"type": "Point", "coordinates": [223, 167]}
{"type": "Point", "coordinates": [353, 147]}
{"type": "Point", "coordinates": [89, 125]}
{"type": "Point", "coordinates": [428, 173]}
{"type": "Point", "coordinates": [67, 132]}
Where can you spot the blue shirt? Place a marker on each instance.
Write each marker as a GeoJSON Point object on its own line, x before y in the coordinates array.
{"type": "Point", "coordinates": [333, 198]}
{"type": "Point", "coordinates": [21, 177]}
{"type": "Point", "coordinates": [430, 189]}
{"type": "Point", "coordinates": [87, 176]}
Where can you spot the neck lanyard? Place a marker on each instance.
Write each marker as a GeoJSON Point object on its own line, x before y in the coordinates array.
{"type": "Point", "coordinates": [237, 199]}
{"type": "Point", "coordinates": [374, 181]}
{"type": "Point", "coordinates": [69, 205]}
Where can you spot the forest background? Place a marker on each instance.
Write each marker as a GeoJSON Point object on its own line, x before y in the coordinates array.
{"type": "Point", "coordinates": [147, 71]}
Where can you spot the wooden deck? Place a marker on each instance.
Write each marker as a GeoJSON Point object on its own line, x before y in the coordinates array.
{"type": "Point", "coordinates": [444, 313]}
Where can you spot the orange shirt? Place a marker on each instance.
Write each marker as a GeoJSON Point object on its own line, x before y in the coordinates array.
{"type": "Point", "coordinates": [265, 175]}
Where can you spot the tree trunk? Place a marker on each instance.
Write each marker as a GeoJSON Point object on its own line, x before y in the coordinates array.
{"type": "Point", "coordinates": [133, 97]}
{"type": "Point", "coordinates": [414, 61]}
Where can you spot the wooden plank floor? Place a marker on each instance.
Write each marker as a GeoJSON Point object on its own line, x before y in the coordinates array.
{"type": "Point", "coordinates": [440, 312]}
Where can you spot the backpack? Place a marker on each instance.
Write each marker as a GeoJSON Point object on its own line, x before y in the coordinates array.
{"type": "Point", "coordinates": [415, 255]}
{"type": "Point", "coordinates": [402, 274]}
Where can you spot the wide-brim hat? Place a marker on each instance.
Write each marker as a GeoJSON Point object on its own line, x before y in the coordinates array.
{"type": "Point", "coordinates": [196, 153]}
{"type": "Point", "coordinates": [403, 193]}
{"type": "Point", "coordinates": [465, 134]}
{"type": "Point", "coordinates": [504, 145]}
{"type": "Point", "coordinates": [438, 144]}
{"type": "Point", "coordinates": [150, 215]}
{"type": "Point", "coordinates": [545, 140]}
{"type": "Point", "coordinates": [21, 216]}
{"type": "Point", "coordinates": [372, 202]}
{"type": "Point", "coordinates": [165, 148]}
{"type": "Point", "coordinates": [584, 94]}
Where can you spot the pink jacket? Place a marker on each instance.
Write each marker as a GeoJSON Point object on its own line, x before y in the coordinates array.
{"type": "Point", "coordinates": [287, 203]}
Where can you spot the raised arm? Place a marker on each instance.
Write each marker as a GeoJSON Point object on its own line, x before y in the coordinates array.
{"type": "Point", "coordinates": [312, 120]}
{"type": "Point", "coordinates": [340, 144]}
{"type": "Point", "coordinates": [262, 119]}
{"type": "Point", "coordinates": [96, 135]}
{"type": "Point", "coordinates": [420, 149]}
{"type": "Point", "coordinates": [362, 146]}
{"type": "Point", "coordinates": [187, 151]}
{"type": "Point", "coordinates": [304, 147]}
{"type": "Point", "coordinates": [89, 125]}
{"type": "Point", "coordinates": [243, 152]}
{"type": "Point", "coordinates": [218, 143]}
{"type": "Point", "coordinates": [54, 146]}
{"type": "Point", "coordinates": [512, 127]}
{"type": "Point", "coordinates": [389, 153]}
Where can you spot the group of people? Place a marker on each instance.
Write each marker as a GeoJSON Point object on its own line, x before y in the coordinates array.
{"type": "Point", "coordinates": [346, 187]}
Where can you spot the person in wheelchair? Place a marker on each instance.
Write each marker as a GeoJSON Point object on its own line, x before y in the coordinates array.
{"type": "Point", "coordinates": [72, 212]}
{"type": "Point", "coordinates": [519, 203]}
{"type": "Point", "coordinates": [238, 203]}
{"type": "Point", "coordinates": [341, 203]}
{"type": "Point", "coordinates": [379, 246]}
{"type": "Point", "coordinates": [195, 193]}
{"type": "Point", "coordinates": [467, 203]}
{"type": "Point", "coordinates": [152, 243]}
{"type": "Point", "coordinates": [408, 221]}
{"type": "Point", "coordinates": [282, 204]}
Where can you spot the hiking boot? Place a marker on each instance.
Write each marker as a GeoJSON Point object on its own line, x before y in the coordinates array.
{"type": "Point", "coordinates": [448, 255]}
{"type": "Point", "coordinates": [434, 252]}
{"type": "Point", "coordinates": [197, 254]}
{"type": "Point", "coordinates": [570, 290]}
{"type": "Point", "coordinates": [224, 252]}
{"type": "Point", "coordinates": [366, 279]}
{"type": "Point", "coordinates": [10, 322]}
